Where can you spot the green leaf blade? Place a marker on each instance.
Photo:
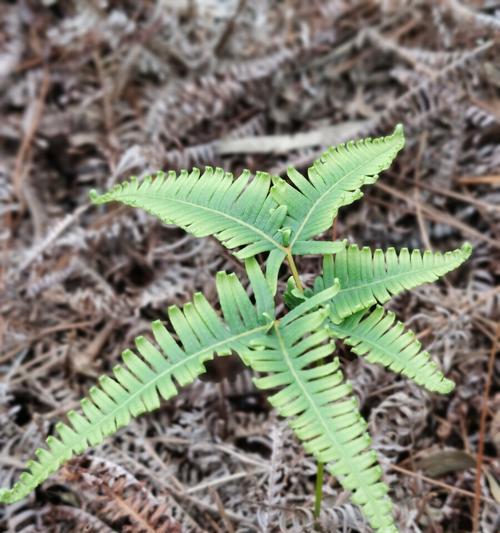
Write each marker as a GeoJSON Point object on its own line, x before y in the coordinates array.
{"type": "Point", "coordinates": [322, 411]}
{"type": "Point", "coordinates": [368, 278]}
{"type": "Point", "coordinates": [154, 373]}
{"type": "Point", "coordinates": [240, 212]}
{"type": "Point", "coordinates": [379, 338]}
{"type": "Point", "coordinates": [335, 180]}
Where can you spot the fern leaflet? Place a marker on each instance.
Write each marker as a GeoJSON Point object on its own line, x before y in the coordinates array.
{"type": "Point", "coordinates": [142, 379]}
{"type": "Point", "coordinates": [240, 212]}
{"type": "Point", "coordinates": [321, 409]}
{"type": "Point", "coordinates": [335, 180]}
{"type": "Point", "coordinates": [367, 278]}
{"type": "Point", "coordinates": [380, 339]}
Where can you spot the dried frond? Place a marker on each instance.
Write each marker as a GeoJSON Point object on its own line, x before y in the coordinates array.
{"type": "Point", "coordinates": [275, 482]}
{"type": "Point", "coordinates": [464, 14]}
{"type": "Point", "coordinates": [77, 519]}
{"type": "Point", "coordinates": [122, 496]}
{"type": "Point", "coordinates": [11, 43]}
{"type": "Point", "coordinates": [397, 419]}
{"type": "Point", "coordinates": [417, 57]}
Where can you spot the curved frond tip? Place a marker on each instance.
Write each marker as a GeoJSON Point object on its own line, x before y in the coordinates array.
{"type": "Point", "coordinates": [335, 180]}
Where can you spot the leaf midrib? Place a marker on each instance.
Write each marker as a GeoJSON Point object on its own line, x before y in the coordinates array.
{"type": "Point", "coordinates": [388, 278]}
{"type": "Point", "coordinates": [184, 361]}
{"type": "Point", "coordinates": [239, 221]}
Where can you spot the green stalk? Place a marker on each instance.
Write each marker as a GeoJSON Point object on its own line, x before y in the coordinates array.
{"type": "Point", "coordinates": [319, 490]}
{"type": "Point", "coordinates": [295, 272]}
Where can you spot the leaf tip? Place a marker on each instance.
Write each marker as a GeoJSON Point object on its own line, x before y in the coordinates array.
{"type": "Point", "coordinates": [399, 130]}
{"type": "Point", "coordinates": [466, 249]}
{"type": "Point", "coordinates": [446, 386]}
{"type": "Point", "coordinates": [94, 196]}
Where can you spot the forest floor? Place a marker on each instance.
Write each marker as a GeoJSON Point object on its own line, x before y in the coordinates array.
{"type": "Point", "coordinates": [96, 90]}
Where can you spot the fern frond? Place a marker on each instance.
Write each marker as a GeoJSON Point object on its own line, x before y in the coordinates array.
{"type": "Point", "coordinates": [335, 180]}
{"type": "Point", "coordinates": [139, 382]}
{"type": "Point", "coordinates": [321, 408]}
{"type": "Point", "coordinates": [239, 212]}
{"type": "Point", "coordinates": [380, 339]}
{"type": "Point", "coordinates": [368, 278]}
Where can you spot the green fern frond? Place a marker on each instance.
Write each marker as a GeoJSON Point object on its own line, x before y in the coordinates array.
{"type": "Point", "coordinates": [293, 352]}
{"type": "Point", "coordinates": [138, 384]}
{"type": "Point", "coordinates": [380, 339]}
{"type": "Point", "coordinates": [239, 212]}
{"type": "Point", "coordinates": [335, 180]}
{"type": "Point", "coordinates": [321, 409]}
{"type": "Point", "coordinates": [368, 278]}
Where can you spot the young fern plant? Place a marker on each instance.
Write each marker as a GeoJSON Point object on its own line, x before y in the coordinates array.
{"type": "Point", "coordinates": [293, 353]}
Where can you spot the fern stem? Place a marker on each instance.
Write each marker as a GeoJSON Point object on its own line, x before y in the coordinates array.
{"type": "Point", "coordinates": [319, 489]}
{"type": "Point", "coordinates": [320, 466]}
{"type": "Point", "coordinates": [293, 268]}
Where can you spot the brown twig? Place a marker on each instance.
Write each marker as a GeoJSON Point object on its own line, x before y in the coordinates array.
{"type": "Point", "coordinates": [458, 196]}
{"type": "Point", "coordinates": [482, 428]}
{"type": "Point", "coordinates": [222, 511]}
{"type": "Point", "coordinates": [479, 180]}
{"type": "Point", "coordinates": [416, 193]}
{"type": "Point", "coordinates": [437, 216]}
{"type": "Point", "coordinates": [445, 486]}
{"type": "Point", "coordinates": [22, 154]}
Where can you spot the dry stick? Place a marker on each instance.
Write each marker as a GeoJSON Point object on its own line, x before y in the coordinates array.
{"type": "Point", "coordinates": [458, 196]}
{"type": "Point", "coordinates": [435, 215]}
{"type": "Point", "coordinates": [418, 209]}
{"type": "Point", "coordinates": [226, 479]}
{"type": "Point", "coordinates": [431, 481]}
{"type": "Point", "coordinates": [222, 510]}
{"type": "Point", "coordinates": [479, 180]}
{"type": "Point", "coordinates": [22, 154]}
{"type": "Point", "coordinates": [482, 428]}
{"type": "Point", "coordinates": [108, 115]}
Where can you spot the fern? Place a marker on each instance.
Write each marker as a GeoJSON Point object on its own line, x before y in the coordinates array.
{"type": "Point", "coordinates": [142, 379]}
{"type": "Point", "coordinates": [375, 336]}
{"type": "Point", "coordinates": [368, 278]}
{"type": "Point", "coordinates": [293, 352]}
{"type": "Point", "coordinates": [335, 180]}
{"type": "Point", "coordinates": [240, 213]}
{"type": "Point", "coordinates": [321, 409]}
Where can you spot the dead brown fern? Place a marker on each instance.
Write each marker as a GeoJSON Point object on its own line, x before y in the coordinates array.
{"type": "Point", "coordinates": [122, 499]}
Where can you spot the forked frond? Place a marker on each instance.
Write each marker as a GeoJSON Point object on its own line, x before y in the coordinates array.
{"type": "Point", "coordinates": [368, 278]}
{"type": "Point", "coordinates": [155, 371]}
{"type": "Point", "coordinates": [335, 180]}
{"type": "Point", "coordinates": [321, 408]}
{"type": "Point", "coordinates": [380, 338]}
{"type": "Point", "coordinates": [239, 212]}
